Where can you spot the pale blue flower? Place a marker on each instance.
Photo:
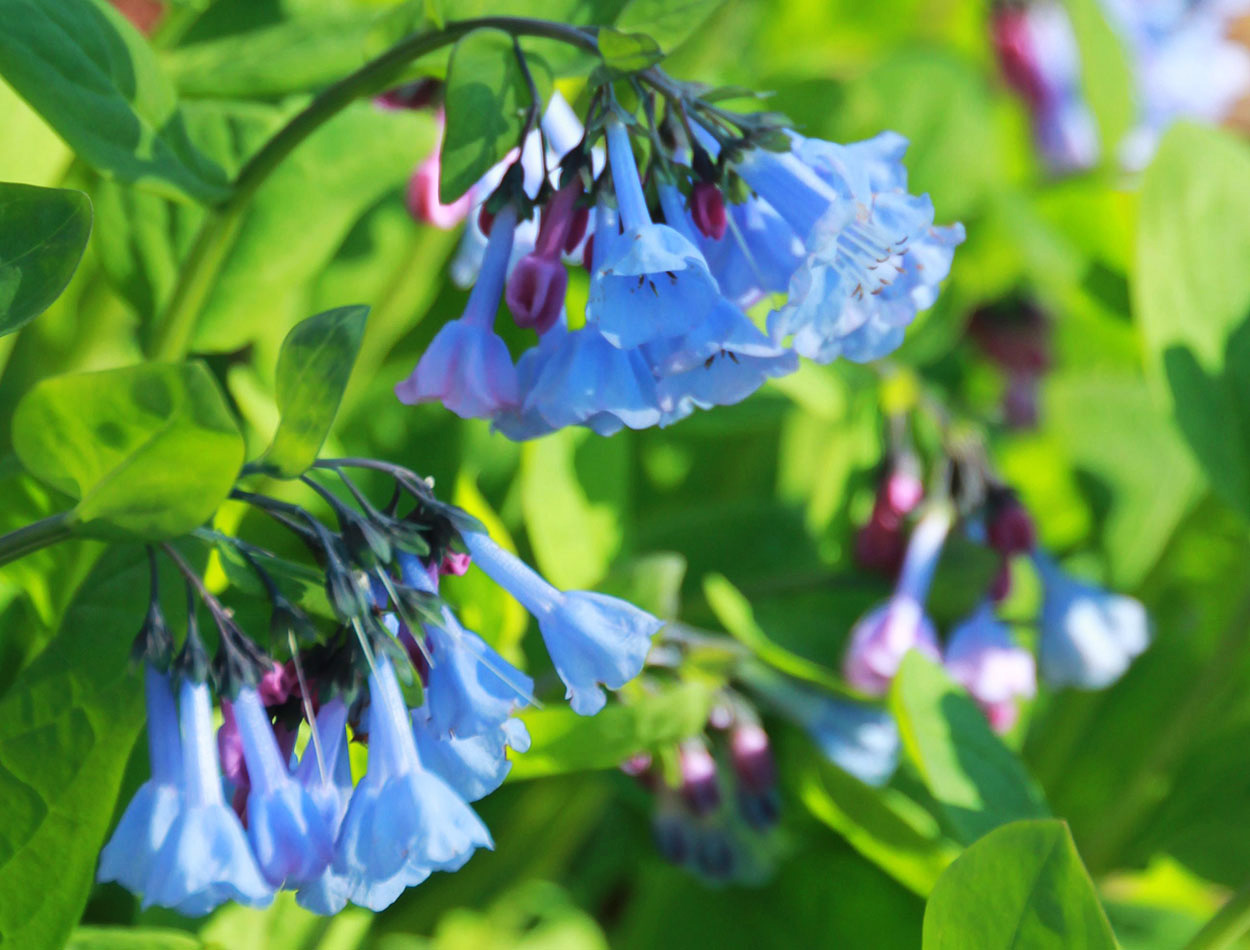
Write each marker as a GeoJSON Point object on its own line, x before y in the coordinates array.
{"type": "Point", "coordinates": [288, 833]}
{"type": "Point", "coordinates": [592, 638]}
{"type": "Point", "coordinates": [128, 856]}
{"type": "Point", "coordinates": [467, 366]}
{"type": "Point", "coordinates": [649, 281]}
{"type": "Point", "coordinates": [1089, 636]}
{"type": "Point", "coordinates": [205, 859]}
{"type": "Point", "coordinates": [473, 766]}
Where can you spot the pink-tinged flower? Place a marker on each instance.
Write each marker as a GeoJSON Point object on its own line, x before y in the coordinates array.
{"type": "Point", "coordinates": [422, 194]}
{"type": "Point", "coordinates": [996, 671]}
{"type": "Point", "coordinates": [467, 366]}
{"type": "Point", "coordinates": [903, 491]}
{"type": "Point", "coordinates": [883, 637]}
{"type": "Point", "coordinates": [707, 208]}
{"type": "Point", "coordinates": [535, 292]}
{"type": "Point", "coordinates": [454, 562]}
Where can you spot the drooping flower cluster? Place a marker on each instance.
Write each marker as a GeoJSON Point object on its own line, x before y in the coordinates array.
{"type": "Point", "coordinates": [1087, 637]}
{"type": "Point", "coordinates": [676, 259]}
{"type": "Point", "coordinates": [1184, 64]}
{"type": "Point", "coordinates": [297, 821]}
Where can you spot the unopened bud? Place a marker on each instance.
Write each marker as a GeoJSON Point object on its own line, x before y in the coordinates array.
{"type": "Point", "coordinates": [699, 785]}
{"type": "Point", "coordinates": [707, 207]}
{"type": "Point", "coordinates": [752, 757]}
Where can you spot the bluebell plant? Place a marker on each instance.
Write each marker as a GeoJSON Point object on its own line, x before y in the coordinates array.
{"type": "Point", "coordinates": [723, 247]}
{"type": "Point", "coordinates": [274, 819]}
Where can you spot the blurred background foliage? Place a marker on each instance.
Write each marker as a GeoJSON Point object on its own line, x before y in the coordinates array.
{"type": "Point", "coordinates": [1151, 774]}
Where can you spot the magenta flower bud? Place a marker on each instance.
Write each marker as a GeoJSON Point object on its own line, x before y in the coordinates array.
{"type": "Point", "coordinates": [752, 757]}
{"type": "Point", "coordinates": [279, 684]}
{"type": "Point", "coordinates": [454, 562]}
{"type": "Point", "coordinates": [637, 765]}
{"type": "Point", "coordinates": [699, 785]}
{"type": "Point", "coordinates": [578, 223]}
{"type": "Point", "coordinates": [879, 545]}
{"type": "Point", "coordinates": [707, 207]}
{"type": "Point", "coordinates": [535, 292]}
{"type": "Point", "coordinates": [230, 750]}
{"type": "Point", "coordinates": [1010, 529]}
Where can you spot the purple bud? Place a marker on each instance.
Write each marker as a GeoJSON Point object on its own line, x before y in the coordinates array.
{"type": "Point", "coordinates": [699, 784]}
{"type": "Point", "coordinates": [707, 207]}
{"type": "Point", "coordinates": [752, 757]}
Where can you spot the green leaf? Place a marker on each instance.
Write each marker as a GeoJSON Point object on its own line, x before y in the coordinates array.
{"type": "Point", "coordinates": [95, 80]}
{"type": "Point", "coordinates": [299, 219]}
{"type": "Point", "coordinates": [625, 53]}
{"type": "Point", "coordinates": [149, 450]}
{"type": "Point", "coordinates": [313, 368]}
{"type": "Point", "coordinates": [566, 742]}
{"type": "Point", "coordinates": [43, 232]}
{"type": "Point", "coordinates": [882, 824]}
{"type": "Point", "coordinates": [1107, 80]}
{"type": "Point", "coordinates": [1191, 292]}
{"type": "Point", "coordinates": [1021, 886]}
{"type": "Point", "coordinates": [735, 614]}
{"type": "Point", "coordinates": [978, 782]}
{"type": "Point", "coordinates": [573, 535]}
{"type": "Point", "coordinates": [670, 22]}
{"type": "Point", "coordinates": [486, 101]}
{"type": "Point", "coordinates": [127, 938]}
{"type": "Point", "coordinates": [66, 729]}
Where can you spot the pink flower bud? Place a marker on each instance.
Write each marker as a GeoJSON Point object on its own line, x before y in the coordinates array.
{"type": "Point", "coordinates": [902, 491]}
{"type": "Point", "coordinates": [455, 562]}
{"type": "Point", "coordinates": [423, 201]}
{"type": "Point", "coordinates": [535, 292]}
{"type": "Point", "coordinates": [279, 684]}
{"type": "Point", "coordinates": [699, 785]}
{"type": "Point", "coordinates": [707, 207]}
{"type": "Point", "coordinates": [752, 757]}
{"type": "Point", "coordinates": [879, 546]}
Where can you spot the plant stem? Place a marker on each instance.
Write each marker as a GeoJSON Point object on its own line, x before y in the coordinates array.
{"type": "Point", "coordinates": [172, 335]}
{"type": "Point", "coordinates": [1230, 922]}
{"type": "Point", "coordinates": [32, 537]}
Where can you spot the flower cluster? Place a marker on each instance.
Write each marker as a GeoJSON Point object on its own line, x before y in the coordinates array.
{"type": "Point", "coordinates": [1184, 62]}
{"type": "Point", "coordinates": [298, 822]}
{"type": "Point", "coordinates": [1087, 637]}
{"type": "Point", "coordinates": [733, 211]}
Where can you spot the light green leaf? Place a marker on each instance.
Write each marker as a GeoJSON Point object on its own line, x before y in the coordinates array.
{"type": "Point", "coordinates": [128, 938]}
{"type": "Point", "coordinates": [1191, 293]}
{"type": "Point", "coordinates": [66, 729]}
{"type": "Point", "coordinates": [95, 80]}
{"type": "Point", "coordinates": [1021, 887]}
{"type": "Point", "coordinates": [313, 368]}
{"type": "Point", "coordinates": [882, 824]}
{"type": "Point", "coordinates": [299, 219]}
{"type": "Point", "coordinates": [1107, 80]}
{"type": "Point", "coordinates": [976, 779]}
{"type": "Point", "coordinates": [625, 53]}
{"type": "Point", "coordinates": [486, 101]}
{"type": "Point", "coordinates": [149, 451]}
{"type": "Point", "coordinates": [566, 742]}
{"type": "Point", "coordinates": [670, 22]}
{"type": "Point", "coordinates": [574, 536]}
{"type": "Point", "coordinates": [735, 614]}
{"type": "Point", "coordinates": [43, 232]}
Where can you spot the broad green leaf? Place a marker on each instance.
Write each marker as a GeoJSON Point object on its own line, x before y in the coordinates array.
{"type": "Point", "coordinates": [66, 729]}
{"type": "Point", "coordinates": [31, 152]}
{"type": "Point", "coordinates": [43, 232]}
{"type": "Point", "coordinates": [95, 80]}
{"type": "Point", "coordinates": [128, 938]}
{"type": "Point", "coordinates": [882, 824]}
{"type": "Point", "coordinates": [1191, 292]}
{"type": "Point", "coordinates": [566, 742]}
{"type": "Point", "coordinates": [148, 450]}
{"type": "Point", "coordinates": [1107, 81]}
{"type": "Point", "coordinates": [313, 367]}
{"type": "Point", "coordinates": [1021, 887]}
{"type": "Point", "coordinates": [1115, 434]}
{"type": "Point", "coordinates": [976, 779]}
{"type": "Point", "coordinates": [574, 536]}
{"type": "Point", "coordinates": [670, 22]}
{"type": "Point", "coordinates": [486, 100]}
{"type": "Point", "coordinates": [299, 219]}
{"type": "Point", "coordinates": [625, 53]}
{"type": "Point", "coordinates": [736, 616]}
